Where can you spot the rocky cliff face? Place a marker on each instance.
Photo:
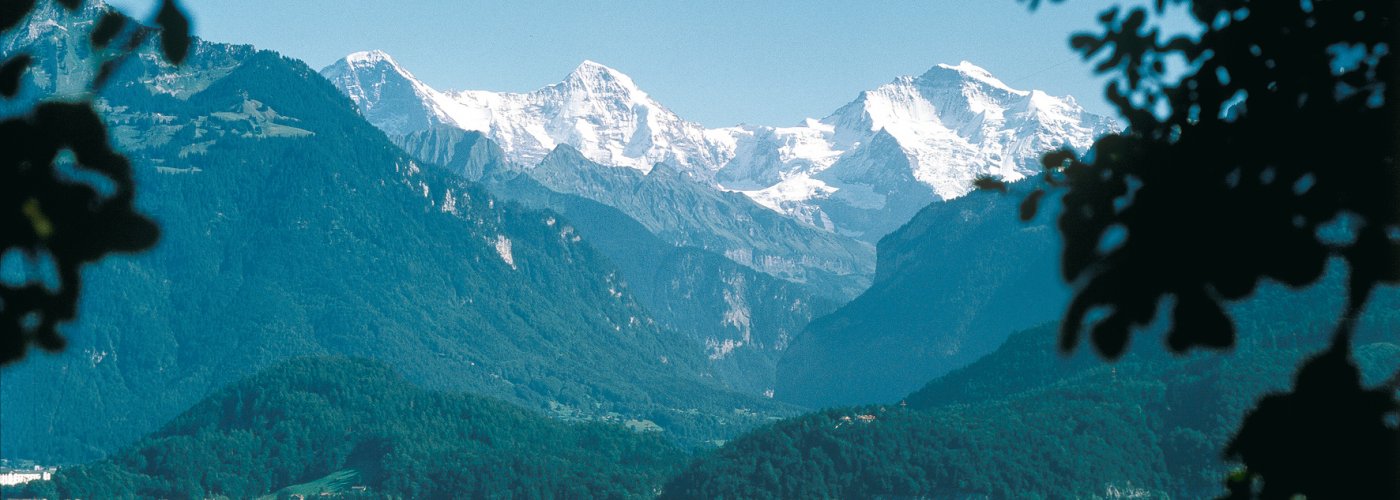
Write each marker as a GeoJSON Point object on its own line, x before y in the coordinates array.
{"type": "Point", "coordinates": [860, 172]}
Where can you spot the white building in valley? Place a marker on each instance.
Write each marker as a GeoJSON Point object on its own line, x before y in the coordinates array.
{"type": "Point", "coordinates": [11, 477]}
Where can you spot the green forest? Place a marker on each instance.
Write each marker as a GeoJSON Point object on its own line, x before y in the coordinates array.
{"type": "Point", "coordinates": [325, 314]}
{"type": "Point", "coordinates": [357, 257]}
{"type": "Point", "coordinates": [1019, 421]}
{"type": "Point", "coordinates": [306, 419]}
{"type": "Point", "coordinates": [1024, 422]}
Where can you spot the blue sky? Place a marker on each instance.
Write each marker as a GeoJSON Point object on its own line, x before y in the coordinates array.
{"type": "Point", "coordinates": [718, 62]}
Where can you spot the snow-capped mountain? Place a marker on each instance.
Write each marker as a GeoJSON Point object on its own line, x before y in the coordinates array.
{"type": "Point", "coordinates": [866, 168]}
{"type": "Point", "coordinates": [595, 109]}
{"type": "Point", "coordinates": [955, 122]}
{"type": "Point", "coordinates": [862, 171]}
{"type": "Point", "coordinates": [388, 95]}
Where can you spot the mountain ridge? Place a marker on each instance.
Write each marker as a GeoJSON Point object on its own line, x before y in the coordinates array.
{"type": "Point", "coordinates": [594, 108]}
{"type": "Point", "coordinates": [951, 124]}
{"type": "Point", "coordinates": [950, 285]}
{"type": "Point", "coordinates": [365, 252]}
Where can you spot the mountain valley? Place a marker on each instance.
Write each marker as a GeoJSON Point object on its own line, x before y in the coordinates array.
{"type": "Point", "coordinates": [364, 253]}
{"type": "Point", "coordinates": [366, 286]}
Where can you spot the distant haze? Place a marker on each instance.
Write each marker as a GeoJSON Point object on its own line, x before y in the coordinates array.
{"type": "Point", "coordinates": [718, 63]}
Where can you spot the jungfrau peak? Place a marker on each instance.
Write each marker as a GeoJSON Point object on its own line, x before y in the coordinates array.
{"type": "Point", "coordinates": [861, 171]}
{"type": "Point", "coordinates": [957, 122]}
{"type": "Point", "coordinates": [866, 168]}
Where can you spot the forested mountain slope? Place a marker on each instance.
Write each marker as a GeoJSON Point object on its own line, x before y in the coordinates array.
{"type": "Point", "coordinates": [292, 227]}
{"type": "Point", "coordinates": [744, 319]}
{"type": "Point", "coordinates": [949, 287]}
{"type": "Point", "coordinates": [1025, 422]}
{"type": "Point", "coordinates": [310, 425]}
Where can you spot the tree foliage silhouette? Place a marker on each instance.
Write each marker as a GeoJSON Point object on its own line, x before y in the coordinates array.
{"type": "Point", "coordinates": [65, 195]}
{"type": "Point", "coordinates": [1270, 154]}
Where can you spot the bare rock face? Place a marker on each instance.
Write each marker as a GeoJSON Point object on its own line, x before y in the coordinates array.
{"type": "Point", "coordinates": [861, 172]}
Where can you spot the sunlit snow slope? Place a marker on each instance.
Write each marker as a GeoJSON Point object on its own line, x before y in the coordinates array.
{"type": "Point", "coordinates": [861, 171]}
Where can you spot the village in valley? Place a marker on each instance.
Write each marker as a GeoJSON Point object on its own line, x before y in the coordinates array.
{"type": "Point", "coordinates": [16, 472]}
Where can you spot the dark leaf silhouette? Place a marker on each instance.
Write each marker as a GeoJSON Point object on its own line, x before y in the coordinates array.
{"type": "Point", "coordinates": [1031, 204]}
{"type": "Point", "coordinates": [71, 224]}
{"type": "Point", "coordinates": [11, 73]}
{"type": "Point", "coordinates": [989, 183]}
{"type": "Point", "coordinates": [1210, 191]}
{"type": "Point", "coordinates": [12, 11]}
{"type": "Point", "coordinates": [107, 28]}
{"type": "Point", "coordinates": [1230, 174]}
{"type": "Point", "coordinates": [104, 73]}
{"type": "Point", "coordinates": [175, 31]}
{"type": "Point", "coordinates": [54, 223]}
{"type": "Point", "coordinates": [1353, 458]}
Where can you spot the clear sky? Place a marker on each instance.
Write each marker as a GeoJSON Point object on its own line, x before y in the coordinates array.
{"type": "Point", "coordinates": [716, 62]}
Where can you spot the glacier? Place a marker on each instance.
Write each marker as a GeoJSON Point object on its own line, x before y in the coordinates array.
{"type": "Point", "coordinates": [862, 171]}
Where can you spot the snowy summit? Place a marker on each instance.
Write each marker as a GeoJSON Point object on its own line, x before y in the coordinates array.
{"type": "Point", "coordinates": [915, 138]}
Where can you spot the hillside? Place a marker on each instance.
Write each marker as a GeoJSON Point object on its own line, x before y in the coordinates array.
{"type": "Point", "coordinates": [744, 319]}
{"type": "Point", "coordinates": [1024, 422]}
{"type": "Point", "coordinates": [292, 227]}
{"type": "Point", "coordinates": [675, 207]}
{"type": "Point", "coordinates": [949, 286]}
{"type": "Point", "coordinates": [331, 424]}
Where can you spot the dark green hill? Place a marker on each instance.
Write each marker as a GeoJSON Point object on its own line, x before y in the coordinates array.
{"type": "Point", "coordinates": [292, 227]}
{"type": "Point", "coordinates": [949, 287]}
{"type": "Point", "coordinates": [361, 424]}
{"type": "Point", "coordinates": [1065, 443]}
{"type": "Point", "coordinates": [1025, 422]}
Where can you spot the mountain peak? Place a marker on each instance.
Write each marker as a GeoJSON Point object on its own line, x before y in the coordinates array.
{"type": "Point", "coordinates": [594, 76]}
{"type": "Point", "coordinates": [964, 66]}
{"type": "Point", "coordinates": [386, 93]}
{"type": "Point", "coordinates": [372, 61]}
{"type": "Point", "coordinates": [564, 154]}
{"type": "Point", "coordinates": [591, 64]}
{"type": "Point", "coordinates": [370, 58]}
{"type": "Point", "coordinates": [966, 70]}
